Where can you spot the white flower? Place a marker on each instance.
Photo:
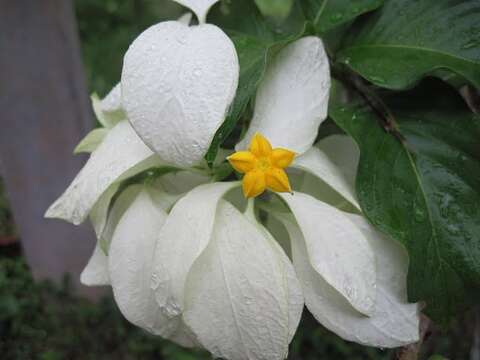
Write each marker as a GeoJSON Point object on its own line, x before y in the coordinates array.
{"type": "Point", "coordinates": [183, 261]}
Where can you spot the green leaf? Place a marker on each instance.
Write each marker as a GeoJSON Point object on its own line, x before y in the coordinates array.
{"type": "Point", "coordinates": [275, 8]}
{"type": "Point", "coordinates": [90, 142]}
{"type": "Point", "coordinates": [422, 187]}
{"type": "Point", "coordinates": [407, 40]}
{"type": "Point", "coordinates": [329, 14]}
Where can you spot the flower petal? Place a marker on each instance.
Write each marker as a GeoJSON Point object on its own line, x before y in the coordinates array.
{"type": "Point", "coordinates": [319, 164]}
{"type": "Point", "coordinates": [113, 213]}
{"type": "Point", "coordinates": [104, 218]}
{"type": "Point", "coordinates": [242, 161]}
{"type": "Point", "coordinates": [96, 271]}
{"type": "Point", "coordinates": [90, 142]}
{"type": "Point", "coordinates": [291, 283]}
{"type": "Point", "coordinates": [237, 287]}
{"type": "Point", "coordinates": [185, 18]}
{"type": "Point", "coordinates": [292, 99]}
{"type": "Point", "coordinates": [113, 101]}
{"type": "Point", "coordinates": [337, 250]}
{"type": "Point", "coordinates": [199, 7]}
{"type": "Point", "coordinates": [395, 322]}
{"type": "Point", "coordinates": [109, 111]}
{"type": "Point", "coordinates": [277, 180]}
{"type": "Point", "coordinates": [130, 264]}
{"type": "Point", "coordinates": [99, 214]}
{"type": "Point", "coordinates": [186, 233]}
{"type": "Point", "coordinates": [121, 155]}
{"type": "Point", "coordinates": [344, 152]}
{"type": "Point", "coordinates": [260, 146]}
{"type": "Point", "coordinates": [282, 158]}
{"type": "Point", "coordinates": [253, 183]}
{"type": "Point", "coordinates": [177, 85]}
{"type": "Point", "coordinates": [182, 181]}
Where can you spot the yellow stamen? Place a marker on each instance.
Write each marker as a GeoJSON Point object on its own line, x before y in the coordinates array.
{"type": "Point", "coordinates": [263, 167]}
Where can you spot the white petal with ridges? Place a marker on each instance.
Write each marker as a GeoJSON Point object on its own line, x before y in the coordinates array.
{"type": "Point", "coordinates": [115, 213]}
{"type": "Point", "coordinates": [337, 250]}
{"type": "Point", "coordinates": [186, 233]}
{"type": "Point", "coordinates": [236, 302]}
{"type": "Point", "coordinates": [317, 163]}
{"type": "Point", "coordinates": [104, 219]}
{"type": "Point", "coordinates": [199, 7]}
{"type": "Point", "coordinates": [291, 283]}
{"type": "Point", "coordinates": [292, 99]}
{"type": "Point", "coordinates": [395, 322]}
{"type": "Point", "coordinates": [99, 214]}
{"type": "Point", "coordinates": [130, 262]}
{"type": "Point", "coordinates": [177, 85]}
{"type": "Point", "coordinates": [96, 271]}
{"type": "Point", "coordinates": [121, 155]}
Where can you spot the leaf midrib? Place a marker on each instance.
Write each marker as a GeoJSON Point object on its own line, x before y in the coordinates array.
{"type": "Point", "coordinates": [410, 47]}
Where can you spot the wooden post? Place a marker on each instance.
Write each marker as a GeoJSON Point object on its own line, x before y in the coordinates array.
{"type": "Point", "coordinates": [44, 112]}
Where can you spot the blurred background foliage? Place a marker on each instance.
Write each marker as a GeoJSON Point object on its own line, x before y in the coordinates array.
{"type": "Point", "coordinates": [45, 321]}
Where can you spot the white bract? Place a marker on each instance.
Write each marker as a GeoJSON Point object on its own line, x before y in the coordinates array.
{"type": "Point", "coordinates": [185, 259]}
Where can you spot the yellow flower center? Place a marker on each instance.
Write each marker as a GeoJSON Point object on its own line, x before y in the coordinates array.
{"type": "Point", "coordinates": [263, 167]}
{"type": "Point", "coordinates": [263, 163]}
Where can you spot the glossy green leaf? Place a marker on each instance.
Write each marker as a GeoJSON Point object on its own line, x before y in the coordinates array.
{"type": "Point", "coordinates": [422, 187]}
{"type": "Point", "coordinates": [329, 14]}
{"type": "Point", "coordinates": [406, 40]}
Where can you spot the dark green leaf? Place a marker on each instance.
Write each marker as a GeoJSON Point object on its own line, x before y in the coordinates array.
{"type": "Point", "coordinates": [329, 14]}
{"type": "Point", "coordinates": [424, 190]}
{"type": "Point", "coordinates": [406, 40]}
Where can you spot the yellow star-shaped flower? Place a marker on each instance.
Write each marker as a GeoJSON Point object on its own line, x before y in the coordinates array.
{"type": "Point", "coordinates": [263, 167]}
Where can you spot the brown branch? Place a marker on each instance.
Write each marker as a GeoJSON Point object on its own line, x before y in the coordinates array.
{"type": "Point", "coordinates": [371, 98]}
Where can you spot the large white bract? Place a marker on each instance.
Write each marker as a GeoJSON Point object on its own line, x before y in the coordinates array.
{"type": "Point", "coordinates": [186, 257]}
